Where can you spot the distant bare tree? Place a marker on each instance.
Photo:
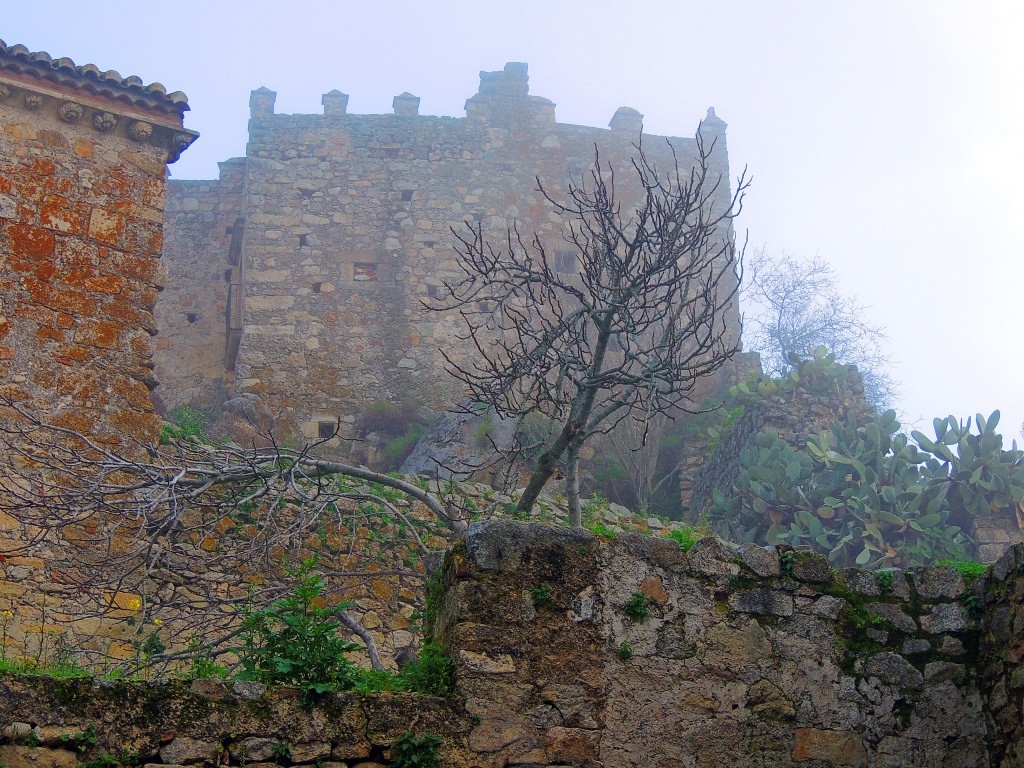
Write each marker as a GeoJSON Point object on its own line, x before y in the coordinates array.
{"type": "Point", "coordinates": [627, 333]}
{"type": "Point", "coordinates": [795, 306]}
{"type": "Point", "coordinates": [161, 524]}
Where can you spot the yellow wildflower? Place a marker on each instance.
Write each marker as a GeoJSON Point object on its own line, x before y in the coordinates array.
{"type": "Point", "coordinates": [135, 604]}
{"type": "Point", "coordinates": [8, 614]}
{"type": "Point", "coordinates": [158, 622]}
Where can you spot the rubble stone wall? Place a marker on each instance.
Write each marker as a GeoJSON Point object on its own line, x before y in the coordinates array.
{"type": "Point", "coordinates": [82, 170]}
{"type": "Point", "coordinates": [746, 656]}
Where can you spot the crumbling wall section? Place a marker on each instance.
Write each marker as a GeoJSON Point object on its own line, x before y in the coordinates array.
{"type": "Point", "coordinates": [793, 413]}
{"type": "Point", "coordinates": [574, 651]}
{"type": "Point", "coordinates": [746, 657]}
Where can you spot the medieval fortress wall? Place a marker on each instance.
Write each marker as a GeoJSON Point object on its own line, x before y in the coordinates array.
{"type": "Point", "coordinates": [300, 275]}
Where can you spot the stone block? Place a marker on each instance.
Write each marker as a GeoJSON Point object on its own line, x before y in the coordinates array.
{"type": "Point", "coordinates": [945, 617]}
{"type": "Point", "coordinates": [937, 582]}
{"type": "Point", "coordinates": [762, 601]}
{"type": "Point", "coordinates": [893, 669]}
{"type": "Point", "coordinates": [185, 751]}
{"type": "Point", "coordinates": [836, 748]}
{"type": "Point", "coordinates": [763, 561]}
{"type": "Point", "coordinates": [812, 568]}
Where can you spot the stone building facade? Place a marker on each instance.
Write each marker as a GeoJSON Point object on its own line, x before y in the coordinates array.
{"type": "Point", "coordinates": [83, 157]}
{"type": "Point", "coordinates": [299, 275]}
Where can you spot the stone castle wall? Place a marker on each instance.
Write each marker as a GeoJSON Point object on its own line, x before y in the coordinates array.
{"type": "Point", "coordinates": [749, 657]}
{"type": "Point", "coordinates": [348, 225]}
{"type": "Point", "coordinates": [83, 157]}
{"type": "Point", "coordinates": [82, 168]}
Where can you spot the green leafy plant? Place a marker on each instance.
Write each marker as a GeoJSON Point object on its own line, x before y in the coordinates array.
{"type": "Point", "coordinates": [638, 608]}
{"type": "Point", "coordinates": [281, 753]}
{"type": "Point", "coordinates": [625, 650]}
{"type": "Point", "coordinates": [884, 579]}
{"type": "Point", "coordinates": [866, 495]}
{"type": "Point", "coordinates": [202, 664]}
{"type": "Point", "coordinates": [686, 537]}
{"type": "Point", "coordinates": [411, 751]}
{"type": "Point", "coordinates": [968, 569]}
{"type": "Point", "coordinates": [600, 529]}
{"type": "Point", "coordinates": [294, 640]}
{"type": "Point", "coordinates": [187, 424]}
{"type": "Point", "coordinates": [433, 673]}
{"type": "Point", "coordinates": [541, 596]}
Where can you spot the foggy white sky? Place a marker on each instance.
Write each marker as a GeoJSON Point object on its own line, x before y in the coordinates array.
{"type": "Point", "coordinates": [884, 136]}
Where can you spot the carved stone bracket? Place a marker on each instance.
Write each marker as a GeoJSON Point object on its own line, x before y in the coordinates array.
{"type": "Point", "coordinates": [103, 121]}
{"type": "Point", "coordinates": [70, 112]}
{"type": "Point", "coordinates": [140, 130]}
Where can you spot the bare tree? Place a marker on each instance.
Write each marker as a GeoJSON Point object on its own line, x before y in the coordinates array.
{"type": "Point", "coordinates": [794, 306]}
{"type": "Point", "coordinates": [191, 527]}
{"type": "Point", "coordinates": [631, 330]}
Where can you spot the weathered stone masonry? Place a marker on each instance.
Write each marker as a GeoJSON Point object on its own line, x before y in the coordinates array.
{"type": "Point", "coordinates": [751, 657]}
{"type": "Point", "coordinates": [299, 275]}
{"type": "Point", "coordinates": [82, 172]}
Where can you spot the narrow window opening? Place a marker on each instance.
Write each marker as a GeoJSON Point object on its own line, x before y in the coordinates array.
{"type": "Point", "coordinates": [325, 429]}
{"type": "Point", "coordinates": [366, 273]}
{"type": "Point", "coordinates": [432, 291]}
{"type": "Point", "coordinates": [227, 275]}
{"type": "Point", "coordinates": [191, 317]}
{"type": "Point", "coordinates": [303, 240]}
{"type": "Point", "coordinates": [316, 287]}
{"type": "Point", "coordinates": [406, 195]}
{"type": "Point", "coordinates": [485, 306]}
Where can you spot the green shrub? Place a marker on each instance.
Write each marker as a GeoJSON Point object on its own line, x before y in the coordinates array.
{"type": "Point", "coordinates": [186, 423]}
{"type": "Point", "coordinates": [411, 751]}
{"type": "Point", "coordinates": [867, 495]}
{"type": "Point", "coordinates": [294, 641]}
{"type": "Point", "coordinates": [397, 450]}
{"type": "Point", "coordinates": [541, 596]}
{"type": "Point", "coordinates": [638, 608]}
{"type": "Point", "coordinates": [625, 650]}
{"type": "Point", "coordinates": [432, 673]}
{"type": "Point", "coordinates": [686, 537]}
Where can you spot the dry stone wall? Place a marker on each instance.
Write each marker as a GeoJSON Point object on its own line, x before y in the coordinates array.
{"type": "Point", "coordinates": [348, 225]}
{"type": "Point", "coordinates": [748, 657]}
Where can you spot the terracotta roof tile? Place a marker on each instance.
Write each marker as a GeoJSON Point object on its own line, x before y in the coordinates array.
{"type": "Point", "coordinates": [89, 77]}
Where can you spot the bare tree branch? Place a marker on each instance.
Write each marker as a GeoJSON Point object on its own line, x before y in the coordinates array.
{"type": "Point", "coordinates": [630, 331]}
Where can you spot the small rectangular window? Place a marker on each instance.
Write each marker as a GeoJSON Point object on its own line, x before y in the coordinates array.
{"type": "Point", "coordinates": [325, 429]}
{"type": "Point", "coordinates": [366, 273]}
{"type": "Point", "coordinates": [406, 195]}
{"type": "Point", "coordinates": [317, 287]}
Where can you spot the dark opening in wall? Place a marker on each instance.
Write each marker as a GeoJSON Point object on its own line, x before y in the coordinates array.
{"type": "Point", "coordinates": [191, 317]}
{"type": "Point", "coordinates": [316, 287]}
{"type": "Point", "coordinates": [227, 275]}
{"type": "Point", "coordinates": [485, 306]}
{"type": "Point", "coordinates": [406, 195]}
{"type": "Point", "coordinates": [325, 429]}
{"type": "Point", "coordinates": [432, 291]}
{"type": "Point", "coordinates": [364, 272]}
{"type": "Point", "coordinates": [303, 240]}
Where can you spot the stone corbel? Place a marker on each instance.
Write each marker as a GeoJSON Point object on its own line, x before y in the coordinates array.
{"type": "Point", "coordinates": [68, 110]}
